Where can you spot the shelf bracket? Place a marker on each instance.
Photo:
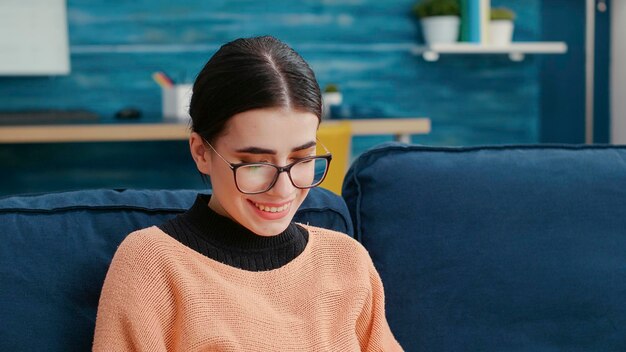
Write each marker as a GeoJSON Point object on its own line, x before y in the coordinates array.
{"type": "Point", "coordinates": [430, 56]}
{"type": "Point", "coordinates": [516, 56]}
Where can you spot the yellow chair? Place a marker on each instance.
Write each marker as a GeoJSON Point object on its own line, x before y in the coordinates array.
{"type": "Point", "coordinates": [337, 137]}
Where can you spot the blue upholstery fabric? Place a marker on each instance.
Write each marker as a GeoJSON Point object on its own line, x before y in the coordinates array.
{"type": "Point", "coordinates": [497, 248]}
{"type": "Point", "coordinates": [56, 249]}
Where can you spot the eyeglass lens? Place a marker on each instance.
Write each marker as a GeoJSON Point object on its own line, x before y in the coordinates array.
{"type": "Point", "coordinates": [259, 177]}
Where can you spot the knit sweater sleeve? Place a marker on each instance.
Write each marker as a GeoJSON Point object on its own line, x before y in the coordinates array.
{"type": "Point", "coordinates": [372, 329]}
{"type": "Point", "coordinates": [134, 312]}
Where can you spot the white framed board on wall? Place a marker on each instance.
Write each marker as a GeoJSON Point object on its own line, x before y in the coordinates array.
{"type": "Point", "coordinates": [34, 38]}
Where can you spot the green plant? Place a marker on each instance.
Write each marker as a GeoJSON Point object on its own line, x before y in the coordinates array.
{"type": "Point", "coordinates": [331, 88]}
{"type": "Point", "coordinates": [502, 13]}
{"type": "Point", "coordinates": [430, 8]}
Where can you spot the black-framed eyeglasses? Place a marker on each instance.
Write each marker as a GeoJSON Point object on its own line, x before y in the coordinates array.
{"type": "Point", "coordinates": [260, 177]}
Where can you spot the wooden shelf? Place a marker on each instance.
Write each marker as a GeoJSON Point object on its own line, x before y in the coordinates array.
{"type": "Point", "coordinates": [516, 50]}
{"type": "Point", "coordinates": [401, 128]}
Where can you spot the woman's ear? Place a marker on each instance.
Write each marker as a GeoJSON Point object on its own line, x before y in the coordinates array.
{"type": "Point", "coordinates": [200, 153]}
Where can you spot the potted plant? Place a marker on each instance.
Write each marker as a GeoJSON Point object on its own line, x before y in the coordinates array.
{"type": "Point", "coordinates": [501, 26]}
{"type": "Point", "coordinates": [440, 20]}
{"type": "Point", "coordinates": [331, 96]}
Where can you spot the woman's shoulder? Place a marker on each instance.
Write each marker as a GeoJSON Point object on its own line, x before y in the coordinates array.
{"type": "Point", "coordinates": [145, 246]}
{"type": "Point", "coordinates": [330, 235]}
{"type": "Point", "coordinates": [337, 242]}
{"type": "Point", "coordinates": [138, 239]}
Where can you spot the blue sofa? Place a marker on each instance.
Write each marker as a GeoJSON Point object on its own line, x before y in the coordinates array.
{"type": "Point", "coordinates": [500, 248]}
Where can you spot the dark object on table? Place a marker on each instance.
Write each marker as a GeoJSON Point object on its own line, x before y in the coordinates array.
{"type": "Point", "coordinates": [128, 113]}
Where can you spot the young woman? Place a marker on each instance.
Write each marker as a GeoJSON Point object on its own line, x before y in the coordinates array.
{"type": "Point", "coordinates": [234, 273]}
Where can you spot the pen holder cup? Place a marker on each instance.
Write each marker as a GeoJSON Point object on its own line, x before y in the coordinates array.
{"type": "Point", "coordinates": [175, 101]}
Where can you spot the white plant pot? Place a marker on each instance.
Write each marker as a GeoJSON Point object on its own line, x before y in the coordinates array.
{"type": "Point", "coordinates": [500, 32]}
{"type": "Point", "coordinates": [328, 100]}
{"type": "Point", "coordinates": [440, 29]}
{"type": "Point", "coordinates": [332, 98]}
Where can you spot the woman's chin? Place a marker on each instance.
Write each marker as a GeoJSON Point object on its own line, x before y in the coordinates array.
{"type": "Point", "coordinates": [270, 229]}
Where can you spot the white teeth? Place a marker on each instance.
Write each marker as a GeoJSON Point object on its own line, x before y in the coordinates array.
{"type": "Point", "coordinates": [272, 209]}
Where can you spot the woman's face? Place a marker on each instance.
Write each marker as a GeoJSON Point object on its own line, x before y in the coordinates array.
{"type": "Point", "coordinates": [274, 135]}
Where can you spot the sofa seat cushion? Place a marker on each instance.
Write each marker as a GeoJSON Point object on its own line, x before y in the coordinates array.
{"type": "Point", "coordinates": [56, 249]}
{"type": "Point", "coordinates": [511, 248]}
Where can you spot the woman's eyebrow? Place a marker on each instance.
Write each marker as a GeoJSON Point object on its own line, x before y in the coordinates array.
{"type": "Point", "coordinates": [255, 150]}
{"type": "Point", "coordinates": [304, 146]}
{"type": "Point", "coordinates": [259, 150]}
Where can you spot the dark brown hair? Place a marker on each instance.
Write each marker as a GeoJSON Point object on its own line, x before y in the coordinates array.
{"type": "Point", "coordinates": [247, 74]}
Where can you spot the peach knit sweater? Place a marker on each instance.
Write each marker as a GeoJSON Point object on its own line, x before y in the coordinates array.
{"type": "Point", "coordinates": [160, 295]}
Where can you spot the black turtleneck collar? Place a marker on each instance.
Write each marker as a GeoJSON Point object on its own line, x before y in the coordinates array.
{"type": "Point", "coordinates": [223, 239]}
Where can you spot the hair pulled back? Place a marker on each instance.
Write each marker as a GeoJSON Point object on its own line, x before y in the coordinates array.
{"type": "Point", "coordinates": [247, 74]}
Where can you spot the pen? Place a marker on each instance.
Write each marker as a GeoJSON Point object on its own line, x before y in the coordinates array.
{"type": "Point", "coordinates": [162, 79]}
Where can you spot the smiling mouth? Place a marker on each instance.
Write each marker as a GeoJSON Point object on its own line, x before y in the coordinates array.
{"type": "Point", "coordinates": [272, 209]}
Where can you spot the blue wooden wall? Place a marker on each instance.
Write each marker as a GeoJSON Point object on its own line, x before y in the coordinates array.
{"type": "Point", "coordinates": [361, 45]}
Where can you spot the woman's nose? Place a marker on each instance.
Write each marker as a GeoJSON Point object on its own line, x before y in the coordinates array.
{"type": "Point", "coordinates": [283, 186]}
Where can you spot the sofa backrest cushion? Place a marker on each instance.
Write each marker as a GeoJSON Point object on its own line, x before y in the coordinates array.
{"type": "Point", "coordinates": [499, 248]}
{"type": "Point", "coordinates": [56, 249]}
